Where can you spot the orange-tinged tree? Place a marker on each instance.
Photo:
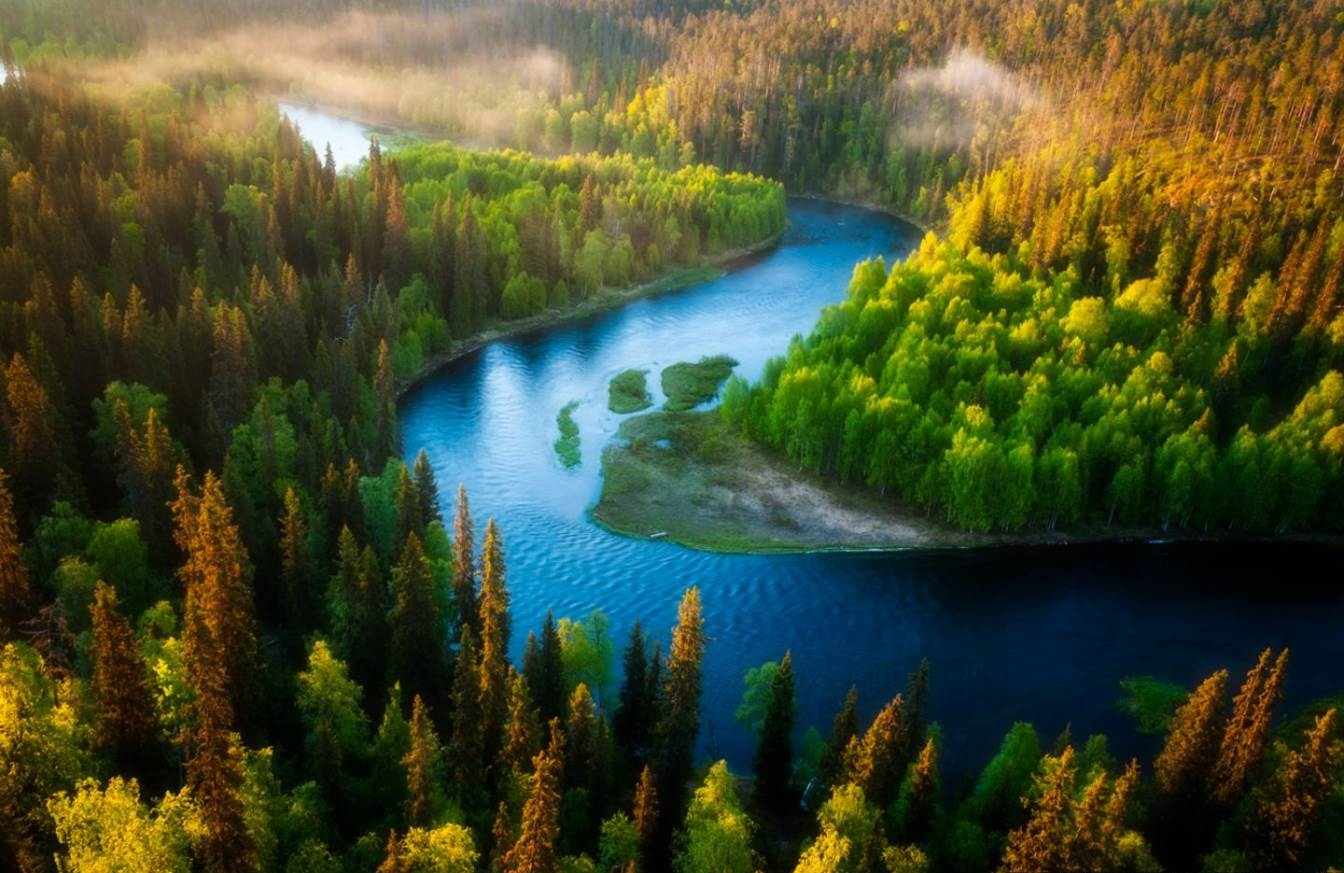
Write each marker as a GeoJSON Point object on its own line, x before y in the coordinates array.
{"type": "Point", "coordinates": [534, 851]}
{"type": "Point", "coordinates": [122, 698]}
{"type": "Point", "coordinates": [16, 588]}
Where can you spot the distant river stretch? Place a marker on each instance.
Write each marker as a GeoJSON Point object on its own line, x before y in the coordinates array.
{"type": "Point", "coordinates": [1034, 634]}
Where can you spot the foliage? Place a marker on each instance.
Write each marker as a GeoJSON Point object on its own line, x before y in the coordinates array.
{"type": "Point", "coordinates": [627, 392]}
{"type": "Point", "coordinates": [567, 445]}
{"type": "Point", "coordinates": [687, 385]}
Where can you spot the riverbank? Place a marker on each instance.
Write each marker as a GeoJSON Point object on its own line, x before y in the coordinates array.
{"type": "Point", "coordinates": [689, 479]}
{"type": "Point", "coordinates": [603, 300]}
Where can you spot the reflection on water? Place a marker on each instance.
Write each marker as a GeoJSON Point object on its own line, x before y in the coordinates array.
{"type": "Point", "coordinates": [1042, 635]}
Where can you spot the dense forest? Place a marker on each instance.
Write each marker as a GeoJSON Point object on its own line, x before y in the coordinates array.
{"type": "Point", "coordinates": [239, 632]}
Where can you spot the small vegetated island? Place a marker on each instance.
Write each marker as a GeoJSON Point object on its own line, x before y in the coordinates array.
{"type": "Point", "coordinates": [628, 392]}
{"type": "Point", "coordinates": [567, 445]}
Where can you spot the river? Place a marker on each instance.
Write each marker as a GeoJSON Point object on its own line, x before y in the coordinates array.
{"type": "Point", "coordinates": [1040, 634]}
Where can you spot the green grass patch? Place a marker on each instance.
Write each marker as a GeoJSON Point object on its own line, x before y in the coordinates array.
{"type": "Point", "coordinates": [567, 446]}
{"type": "Point", "coordinates": [688, 385]}
{"type": "Point", "coordinates": [628, 392]}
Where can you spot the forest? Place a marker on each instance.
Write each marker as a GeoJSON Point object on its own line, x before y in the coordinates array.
{"type": "Point", "coordinates": [239, 633]}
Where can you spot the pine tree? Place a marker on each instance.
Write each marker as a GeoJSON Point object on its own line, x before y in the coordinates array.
{"type": "Point", "coordinates": [916, 702]}
{"type": "Point", "coordinates": [646, 807]}
{"type": "Point", "coordinates": [844, 727]}
{"type": "Point", "coordinates": [502, 837]}
{"type": "Point", "coordinates": [1288, 811]}
{"type": "Point", "coordinates": [16, 590]}
{"type": "Point", "coordinates": [122, 698]}
{"type": "Point", "coordinates": [773, 763]}
{"type": "Point", "coordinates": [218, 648]}
{"type": "Point", "coordinates": [466, 750]}
{"type": "Point", "coordinates": [494, 671]}
{"type": "Point", "coordinates": [30, 425]}
{"type": "Point", "coordinates": [464, 567]}
{"type": "Point", "coordinates": [546, 672]}
{"type": "Point", "coordinates": [294, 564]}
{"type": "Point", "coordinates": [416, 644]}
{"type": "Point", "coordinates": [534, 851]}
{"type": "Point", "coordinates": [1247, 730]}
{"type": "Point", "coordinates": [633, 720]}
{"type": "Point", "coordinates": [523, 739]}
{"type": "Point", "coordinates": [1183, 766]}
{"type": "Point", "coordinates": [919, 793]}
{"type": "Point", "coordinates": [410, 519]}
{"type": "Point", "coordinates": [680, 722]}
{"type": "Point", "coordinates": [581, 773]}
{"type": "Point", "coordinates": [875, 763]}
{"type": "Point", "coordinates": [424, 769]}
{"type": "Point", "coordinates": [1042, 843]}
{"type": "Point", "coordinates": [426, 488]}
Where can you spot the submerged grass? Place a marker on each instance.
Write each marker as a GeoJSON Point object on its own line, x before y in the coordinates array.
{"type": "Point", "coordinates": [628, 392]}
{"type": "Point", "coordinates": [567, 446]}
{"type": "Point", "coordinates": [688, 385]}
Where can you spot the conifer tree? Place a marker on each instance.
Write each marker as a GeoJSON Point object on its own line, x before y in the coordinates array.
{"type": "Point", "coordinates": [502, 837]}
{"type": "Point", "coordinates": [1042, 843]}
{"type": "Point", "coordinates": [416, 643]}
{"type": "Point", "coordinates": [16, 590]}
{"type": "Point", "coordinates": [426, 488]}
{"type": "Point", "coordinates": [916, 702]}
{"type": "Point", "coordinates": [773, 762]}
{"type": "Point", "coordinates": [874, 763]}
{"type": "Point", "coordinates": [1183, 766]}
{"type": "Point", "coordinates": [680, 722]}
{"type": "Point", "coordinates": [294, 564]}
{"type": "Point", "coordinates": [464, 564]}
{"type": "Point", "coordinates": [844, 727]}
{"type": "Point", "coordinates": [523, 739]}
{"type": "Point", "coordinates": [494, 671]}
{"type": "Point", "coordinates": [632, 722]}
{"type": "Point", "coordinates": [1289, 809]}
{"type": "Point", "coordinates": [424, 769]}
{"type": "Point", "coordinates": [548, 672]}
{"type": "Point", "coordinates": [410, 518]}
{"type": "Point", "coordinates": [645, 813]}
{"type": "Point", "coordinates": [122, 698]}
{"type": "Point", "coordinates": [218, 648]}
{"type": "Point", "coordinates": [1247, 730]}
{"type": "Point", "coordinates": [534, 851]}
{"type": "Point", "coordinates": [581, 772]}
{"type": "Point", "coordinates": [466, 750]}
{"type": "Point", "coordinates": [919, 794]}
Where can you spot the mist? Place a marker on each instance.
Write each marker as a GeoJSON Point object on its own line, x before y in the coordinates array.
{"type": "Point", "coordinates": [945, 107]}
{"type": "Point", "coordinates": [459, 74]}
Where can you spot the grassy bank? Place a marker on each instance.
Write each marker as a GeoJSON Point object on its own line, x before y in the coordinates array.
{"type": "Point", "coordinates": [686, 477]}
{"type": "Point", "coordinates": [603, 300]}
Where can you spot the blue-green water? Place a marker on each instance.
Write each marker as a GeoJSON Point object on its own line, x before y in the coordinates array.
{"type": "Point", "coordinates": [1037, 634]}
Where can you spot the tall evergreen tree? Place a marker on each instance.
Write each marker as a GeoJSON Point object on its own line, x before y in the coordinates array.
{"type": "Point", "coordinates": [466, 749]}
{"type": "Point", "coordinates": [1288, 811]}
{"type": "Point", "coordinates": [773, 762]}
{"type": "Point", "coordinates": [875, 762]}
{"type": "Point", "coordinates": [1042, 843]}
{"type": "Point", "coordinates": [16, 589]}
{"type": "Point", "coordinates": [122, 698]}
{"type": "Point", "coordinates": [494, 673]}
{"type": "Point", "coordinates": [680, 724]}
{"type": "Point", "coordinates": [844, 727]}
{"type": "Point", "coordinates": [918, 796]}
{"type": "Point", "coordinates": [1183, 766]}
{"type": "Point", "coordinates": [534, 851]}
{"type": "Point", "coordinates": [295, 566]}
{"type": "Point", "coordinates": [464, 564]}
{"type": "Point", "coordinates": [547, 674]}
{"type": "Point", "coordinates": [1247, 729]}
{"type": "Point", "coordinates": [645, 812]}
{"type": "Point", "coordinates": [426, 488]}
{"type": "Point", "coordinates": [523, 739]}
{"type": "Point", "coordinates": [424, 769]}
{"type": "Point", "coordinates": [415, 625]}
{"type": "Point", "coordinates": [633, 721]}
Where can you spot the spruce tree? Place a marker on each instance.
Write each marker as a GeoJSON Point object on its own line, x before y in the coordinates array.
{"type": "Point", "coordinates": [1287, 812]}
{"type": "Point", "coordinates": [916, 703]}
{"type": "Point", "coordinates": [494, 668]}
{"type": "Point", "coordinates": [1183, 766]}
{"type": "Point", "coordinates": [426, 488]}
{"type": "Point", "coordinates": [523, 738]}
{"type": "Point", "coordinates": [466, 749]}
{"type": "Point", "coordinates": [773, 763]}
{"type": "Point", "coordinates": [1042, 843]}
{"type": "Point", "coordinates": [123, 701]}
{"type": "Point", "coordinates": [844, 727]}
{"type": "Point", "coordinates": [632, 720]}
{"type": "Point", "coordinates": [919, 794]}
{"type": "Point", "coordinates": [502, 837]}
{"type": "Point", "coordinates": [1247, 730]}
{"type": "Point", "coordinates": [16, 589]}
{"type": "Point", "coordinates": [874, 763]}
{"type": "Point", "coordinates": [534, 851]}
{"type": "Point", "coordinates": [416, 643]}
{"type": "Point", "coordinates": [680, 722]}
{"type": "Point", "coordinates": [464, 564]}
{"type": "Point", "coordinates": [295, 566]}
{"type": "Point", "coordinates": [550, 672]}
{"type": "Point", "coordinates": [424, 769]}
{"type": "Point", "coordinates": [410, 518]}
{"type": "Point", "coordinates": [645, 813]}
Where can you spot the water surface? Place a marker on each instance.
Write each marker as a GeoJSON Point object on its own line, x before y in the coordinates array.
{"type": "Point", "coordinates": [1042, 635]}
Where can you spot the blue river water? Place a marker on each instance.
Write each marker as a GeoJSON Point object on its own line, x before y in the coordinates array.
{"type": "Point", "coordinates": [1040, 634]}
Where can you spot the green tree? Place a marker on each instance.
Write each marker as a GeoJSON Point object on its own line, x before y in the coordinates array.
{"type": "Point", "coordinates": [106, 830]}
{"type": "Point", "coordinates": [718, 831]}
{"type": "Point", "coordinates": [773, 763]}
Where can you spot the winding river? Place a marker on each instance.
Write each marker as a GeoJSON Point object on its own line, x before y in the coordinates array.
{"type": "Point", "coordinates": [1040, 634]}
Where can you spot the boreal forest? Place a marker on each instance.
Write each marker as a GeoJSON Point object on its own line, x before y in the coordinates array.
{"type": "Point", "coordinates": [247, 625]}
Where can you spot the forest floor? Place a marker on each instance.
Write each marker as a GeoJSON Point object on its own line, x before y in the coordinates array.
{"type": "Point", "coordinates": [600, 301]}
{"type": "Point", "coordinates": [688, 478]}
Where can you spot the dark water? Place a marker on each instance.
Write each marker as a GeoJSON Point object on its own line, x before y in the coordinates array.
{"type": "Point", "coordinates": [1042, 635]}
